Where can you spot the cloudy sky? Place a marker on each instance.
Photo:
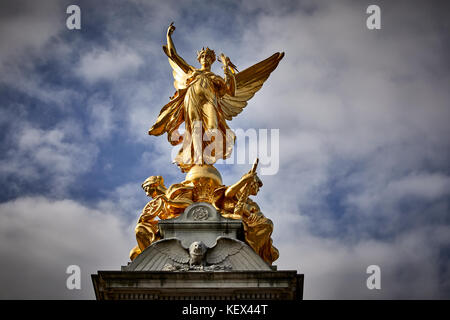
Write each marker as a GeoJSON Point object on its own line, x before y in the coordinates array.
{"type": "Point", "coordinates": [363, 118]}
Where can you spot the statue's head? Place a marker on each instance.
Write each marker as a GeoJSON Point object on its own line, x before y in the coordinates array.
{"type": "Point", "coordinates": [197, 248]}
{"type": "Point", "coordinates": [206, 57]}
{"type": "Point", "coordinates": [255, 185]}
{"type": "Point", "coordinates": [154, 186]}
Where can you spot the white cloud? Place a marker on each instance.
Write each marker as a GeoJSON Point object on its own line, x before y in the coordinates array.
{"type": "Point", "coordinates": [59, 155]}
{"type": "Point", "coordinates": [410, 265]}
{"type": "Point", "coordinates": [108, 64]}
{"type": "Point", "coordinates": [125, 200]}
{"type": "Point", "coordinates": [27, 26]}
{"type": "Point", "coordinates": [417, 186]}
{"type": "Point", "coordinates": [429, 186]}
{"type": "Point", "coordinates": [40, 238]}
{"type": "Point", "coordinates": [103, 120]}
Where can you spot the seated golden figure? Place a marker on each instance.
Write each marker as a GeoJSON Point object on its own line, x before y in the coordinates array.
{"type": "Point", "coordinates": [166, 204]}
{"type": "Point", "coordinates": [232, 202]}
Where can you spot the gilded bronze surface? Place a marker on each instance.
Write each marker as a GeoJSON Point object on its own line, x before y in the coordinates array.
{"type": "Point", "coordinates": [205, 102]}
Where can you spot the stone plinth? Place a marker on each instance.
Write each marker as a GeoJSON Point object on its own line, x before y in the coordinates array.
{"type": "Point", "coordinates": [200, 222]}
{"type": "Point", "coordinates": [233, 285]}
{"type": "Point", "coordinates": [227, 269]}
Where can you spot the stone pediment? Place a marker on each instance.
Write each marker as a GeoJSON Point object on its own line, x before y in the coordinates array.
{"type": "Point", "coordinates": [227, 255]}
{"type": "Point", "coordinates": [200, 224]}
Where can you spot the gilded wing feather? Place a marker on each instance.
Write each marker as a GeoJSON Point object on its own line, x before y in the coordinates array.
{"type": "Point", "coordinates": [248, 82]}
{"type": "Point", "coordinates": [179, 76]}
{"type": "Point", "coordinates": [180, 69]}
{"type": "Point", "coordinates": [172, 115]}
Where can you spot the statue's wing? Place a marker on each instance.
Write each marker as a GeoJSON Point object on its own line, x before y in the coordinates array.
{"type": "Point", "coordinates": [235, 253]}
{"type": "Point", "coordinates": [179, 76]}
{"type": "Point", "coordinates": [174, 250]}
{"type": "Point", "coordinates": [170, 117]}
{"type": "Point", "coordinates": [248, 82]}
{"type": "Point", "coordinates": [224, 248]}
{"type": "Point", "coordinates": [172, 114]}
{"type": "Point", "coordinates": [160, 253]}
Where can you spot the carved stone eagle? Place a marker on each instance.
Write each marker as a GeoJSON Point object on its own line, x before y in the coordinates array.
{"type": "Point", "coordinates": [170, 255]}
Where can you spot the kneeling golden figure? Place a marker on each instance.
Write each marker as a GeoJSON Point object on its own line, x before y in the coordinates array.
{"type": "Point", "coordinates": [234, 202]}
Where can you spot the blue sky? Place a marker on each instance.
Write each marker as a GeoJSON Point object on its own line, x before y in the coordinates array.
{"type": "Point", "coordinates": [363, 119]}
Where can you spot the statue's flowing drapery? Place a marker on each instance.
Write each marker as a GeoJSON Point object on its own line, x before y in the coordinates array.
{"type": "Point", "coordinates": [202, 102]}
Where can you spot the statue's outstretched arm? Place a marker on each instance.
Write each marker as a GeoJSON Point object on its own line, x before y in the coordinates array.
{"type": "Point", "coordinates": [171, 52]}
{"type": "Point", "coordinates": [246, 178]}
{"type": "Point", "coordinates": [233, 189]}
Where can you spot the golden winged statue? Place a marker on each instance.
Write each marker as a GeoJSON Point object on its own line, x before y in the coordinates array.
{"type": "Point", "coordinates": [205, 102]}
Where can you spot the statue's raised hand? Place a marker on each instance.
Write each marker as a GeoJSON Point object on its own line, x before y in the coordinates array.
{"type": "Point", "coordinates": [170, 29]}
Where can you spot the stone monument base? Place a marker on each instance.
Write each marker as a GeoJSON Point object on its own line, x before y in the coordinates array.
{"type": "Point", "coordinates": [201, 285]}
{"type": "Point", "coordinates": [224, 268]}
